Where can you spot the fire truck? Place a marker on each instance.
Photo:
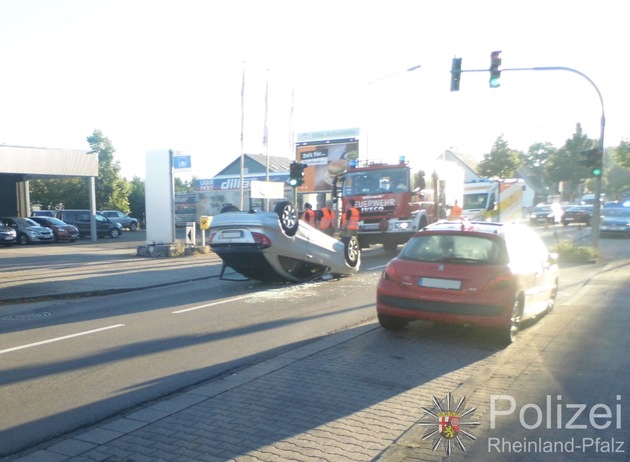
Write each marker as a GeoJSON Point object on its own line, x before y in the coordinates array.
{"type": "Point", "coordinates": [390, 199]}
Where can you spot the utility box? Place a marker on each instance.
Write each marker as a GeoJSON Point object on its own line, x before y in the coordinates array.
{"type": "Point", "coordinates": [205, 223]}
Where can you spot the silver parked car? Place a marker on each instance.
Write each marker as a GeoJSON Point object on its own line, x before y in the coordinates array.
{"type": "Point", "coordinates": [276, 246]}
{"type": "Point", "coordinates": [8, 236]}
{"type": "Point", "coordinates": [125, 220]}
{"type": "Point", "coordinates": [28, 231]}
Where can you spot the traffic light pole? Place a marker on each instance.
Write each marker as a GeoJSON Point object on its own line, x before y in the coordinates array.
{"type": "Point", "coordinates": [595, 221]}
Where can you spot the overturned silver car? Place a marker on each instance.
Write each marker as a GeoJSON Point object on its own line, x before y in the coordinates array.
{"type": "Point", "coordinates": [276, 246]}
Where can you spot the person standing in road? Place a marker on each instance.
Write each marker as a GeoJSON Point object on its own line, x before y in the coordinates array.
{"type": "Point", "coordinates": [309, 215]}
{"type": "Point", "coordinates": [350, 219]}
{"type": "Point", "coordinates": [327, 219]}
{"type": "Point", "coordinates": [456, 212]}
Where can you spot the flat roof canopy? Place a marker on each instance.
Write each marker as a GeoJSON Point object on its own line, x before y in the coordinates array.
{"type": "Point", "coordinates": [38, 162]}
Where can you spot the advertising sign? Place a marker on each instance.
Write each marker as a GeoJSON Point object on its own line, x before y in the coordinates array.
{"type": "Point", "coordinates": [325, 159]}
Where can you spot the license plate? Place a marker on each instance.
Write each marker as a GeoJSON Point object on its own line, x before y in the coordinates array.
{"type": "Point", "coordinates": [231, 234]}
{"type": "Point", "coordinates": [438, 283]}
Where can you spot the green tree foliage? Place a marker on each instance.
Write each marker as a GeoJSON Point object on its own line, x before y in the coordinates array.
{"type": "Point", "coordinates": [112, 190]}
{"type": "Point", "coordinates": [501, 162]}
{"type": "Point", "coordinates": [565, 165]}
{"type": "Point", "coordinates": [622, 154]}
{"type": "Point", "coordinates": [184, 186]}
{"type": "Point", "coordinates": [137, 198]}
{"type": "Point", "coordinates": [56, 193]}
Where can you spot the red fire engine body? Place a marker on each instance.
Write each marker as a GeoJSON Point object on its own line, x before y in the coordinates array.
{"type": "Point", "coordinates": [389, 199]}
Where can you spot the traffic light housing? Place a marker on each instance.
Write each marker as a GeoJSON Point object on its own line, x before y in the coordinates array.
{"type": "Point", "coordinates": [456, 73]}
{"type": "Point", "coordinates": [593, 160]}
{"type": "Point", "coordinates": [495, 73]}
{"type": "Point", "coordinates": [296, 173]}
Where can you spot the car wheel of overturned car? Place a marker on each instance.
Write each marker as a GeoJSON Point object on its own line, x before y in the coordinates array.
{"type": "Point", "coordinates": [391, 322]}
{"type": "Point", "coordinates": [114, 233]}
{"type": "Point", "coordinates": [351, 250]}
{"type": "Point", "coordinates": [288, 217]}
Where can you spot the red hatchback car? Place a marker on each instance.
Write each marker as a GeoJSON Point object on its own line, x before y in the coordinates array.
{"type": "Point", "coordinates": [485, 274]}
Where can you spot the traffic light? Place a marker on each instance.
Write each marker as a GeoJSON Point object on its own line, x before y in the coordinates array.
{"type": "Point", "coordinates": [456, 73]}
{"type": "Point", "coordinates": [495, 73]}
{"type": "Point", "coordinates": [592, 159]}
{"type": "Point", "coordinates": [296, 173]}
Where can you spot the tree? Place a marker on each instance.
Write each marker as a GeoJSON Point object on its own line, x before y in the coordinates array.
{"type": "Point", "coordinates": [564, 165]}
{"type": "Point", "coordinates": [622, 154]}
{"type": "Point", "coordinates": [112, 190]}
{"type": "Point", "coordinates": [137, 199]}
{"type": "Point", "coordinates": [501, 162]}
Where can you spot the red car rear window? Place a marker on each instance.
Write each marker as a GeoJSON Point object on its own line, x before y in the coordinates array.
{"type": "Point", "coordinates": [455, 248]}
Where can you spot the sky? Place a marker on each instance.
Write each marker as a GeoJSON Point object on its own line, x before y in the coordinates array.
{"type": "Point", "coordinates": [158, 74]}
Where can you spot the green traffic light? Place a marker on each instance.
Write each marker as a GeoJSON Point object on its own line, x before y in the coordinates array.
{"type": "Point", "coordinates": [494, 82]}
{"type": "Point", "coordinates": [596, 172]}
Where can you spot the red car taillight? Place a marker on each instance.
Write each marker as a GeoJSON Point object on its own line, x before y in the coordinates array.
{"type": "Point", "coordinates": [502, 281]}
{"type": "Point", "coordinates": [390, 273]}
{"type": "Point", "coordinates": [262, 241]}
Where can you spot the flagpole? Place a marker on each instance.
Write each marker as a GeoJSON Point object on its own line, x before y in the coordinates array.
{"type": "Point", "coordinates": [242, 138]}
{"type": "Point", "coordinates": [266, 137]}
{"type": "Point", "coordinates": [292, 153]}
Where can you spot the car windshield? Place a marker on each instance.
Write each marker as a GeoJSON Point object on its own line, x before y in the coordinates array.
{"type": "Point", "coordinates": [54, 221]}
{"type": "Point", "coordinates": [376, 181]}
{"type": "Point", "coordinates": [475, 201]}
{"type": "Point", "coordinates": [26, 222]}
{"type": "Point", "coordinates": [454, 248]}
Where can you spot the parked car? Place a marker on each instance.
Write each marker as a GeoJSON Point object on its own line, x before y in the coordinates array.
{"type": "Point", "coordinates": [62, 230]}
{"type": "Point", "coordinates": [125, 220]}
{"type": "Point", "coordinates": [82, 220]}
{"type": "Point", "coordinates": [615, 221]}
{"type": "Point", "coordinates": [577, 214]}
{"type": "Point", "coordinates": [8, 235]}
{"type": "Point", "coordinates": [27, 230]}
{"type": "Point", "coordinates": [542, 214]}
{"type": "Point", "coordinates": [43, 213]}
{"type": "Point", "coordinates": [276, 246]}
{"type": "Point", "coordinates": [484, 274]}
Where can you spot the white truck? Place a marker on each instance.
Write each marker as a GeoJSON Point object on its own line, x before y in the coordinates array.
{"type": "Point", "coordinates": [501, 201]}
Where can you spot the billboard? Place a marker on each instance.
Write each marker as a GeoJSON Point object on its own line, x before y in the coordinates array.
{"type": "Point", "coordinates": [325, 159]}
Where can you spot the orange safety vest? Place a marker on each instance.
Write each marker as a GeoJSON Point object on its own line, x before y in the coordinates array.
{"type": "Point", "coordinates": [309, 217]}
{"type": "Point", "coordinates": [327, 218]}
{"type": "Point", "coordinates": [353, 222]}
{"type": "Point", "coordinates": [456, 212]}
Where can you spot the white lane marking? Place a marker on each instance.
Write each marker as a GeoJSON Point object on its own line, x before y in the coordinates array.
{"type": "Point", "coordinates": [57, 339]}
{"type": "Point", "coordinates": [376, 267]}
{"type": "Point", "coordinates": [208, 305]}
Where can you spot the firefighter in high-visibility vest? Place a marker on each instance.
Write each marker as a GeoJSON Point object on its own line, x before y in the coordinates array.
{"type": "Point", "coordinates": [309, 215]}
{"type": "Point", "coordinates": [350, 219]}
{"type": "Point", "coordinates": [326, 217]}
